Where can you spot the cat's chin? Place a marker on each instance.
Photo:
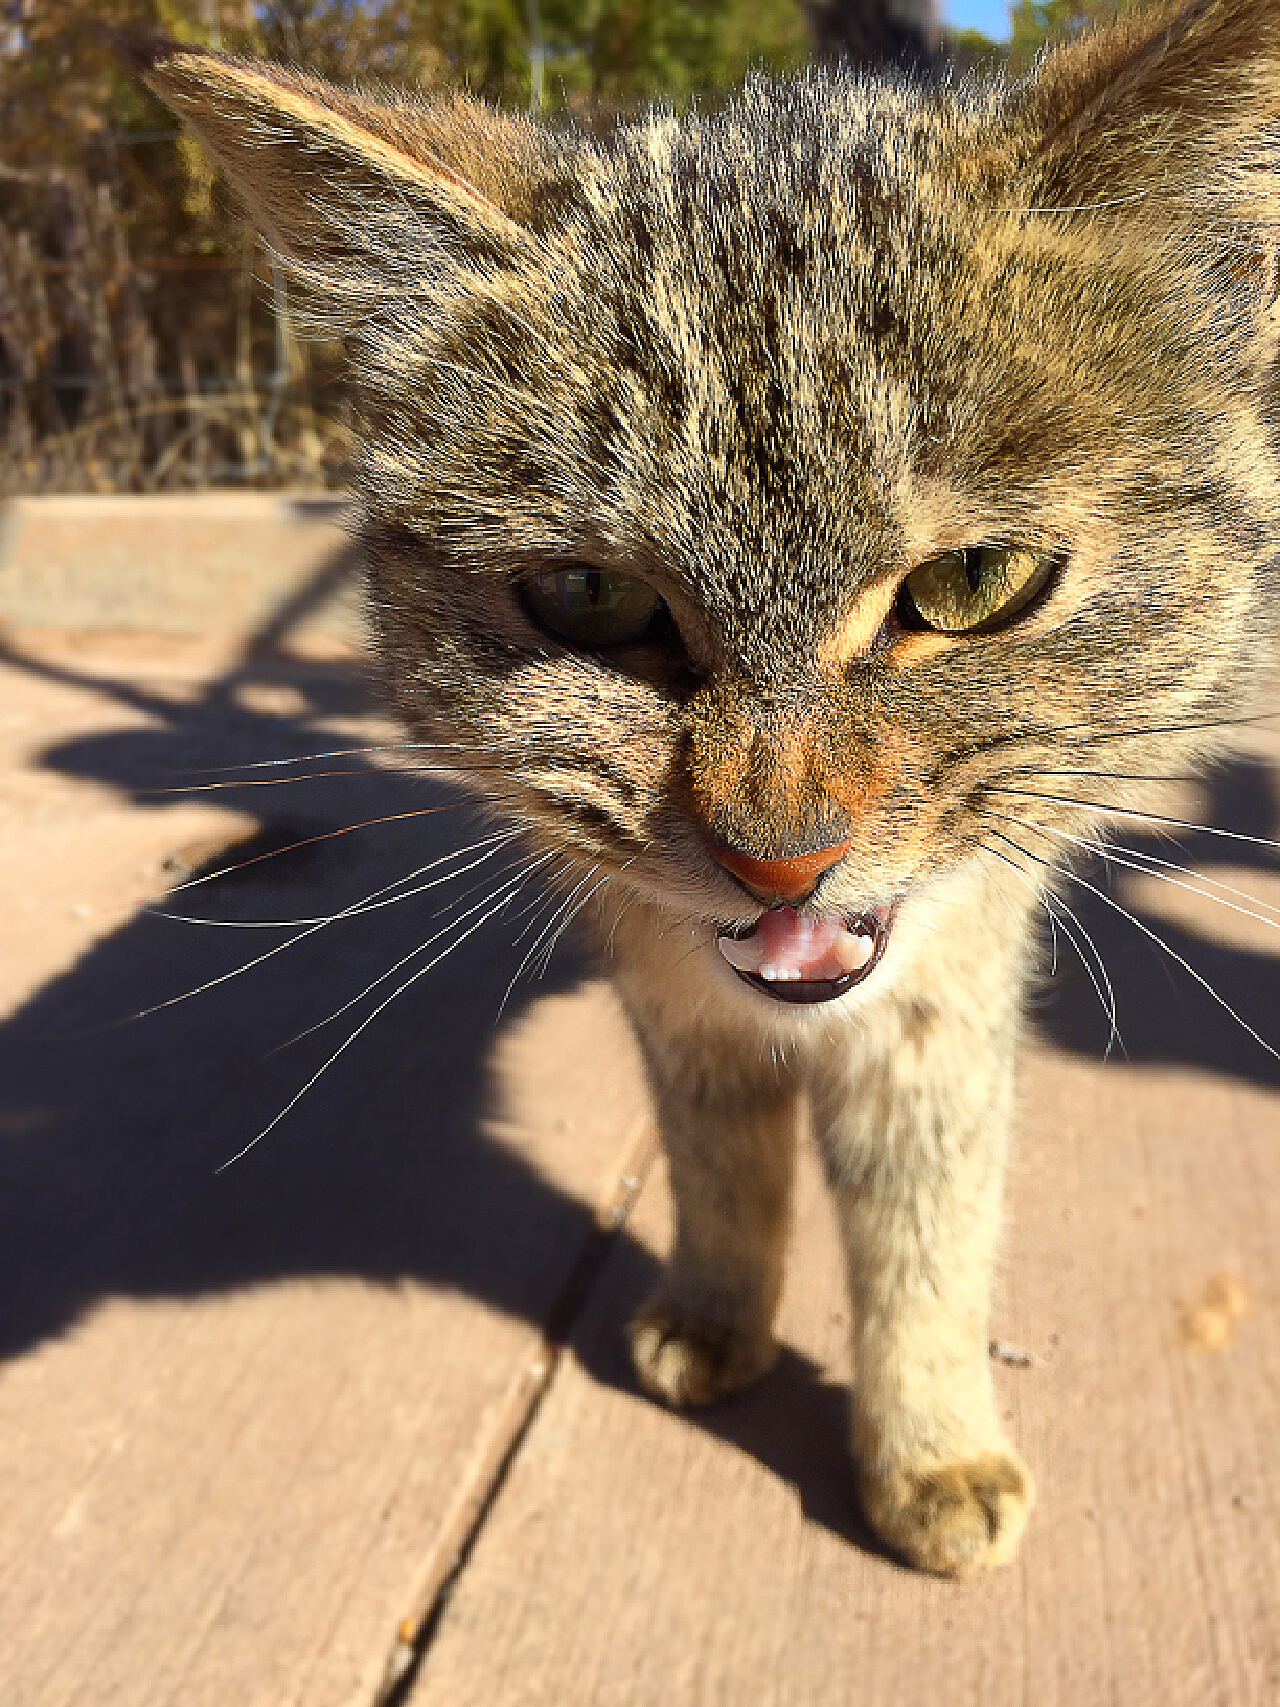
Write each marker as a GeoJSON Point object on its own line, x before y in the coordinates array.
{"type": "Point", "coordinates": [804, 959]}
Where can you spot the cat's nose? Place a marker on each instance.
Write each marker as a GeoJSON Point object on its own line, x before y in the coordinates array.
{"type": "Point", "coordinates": [781, 880]}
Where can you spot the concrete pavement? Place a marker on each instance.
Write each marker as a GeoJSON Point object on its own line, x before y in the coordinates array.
{"type": "Point", "coordinates": [365, 1386]}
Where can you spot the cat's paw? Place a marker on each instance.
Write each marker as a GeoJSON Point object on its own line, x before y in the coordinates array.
{"type": "Point", "coordinates": [686, 1360]}
{"type": "Point", "coordinates": [953, 1519]}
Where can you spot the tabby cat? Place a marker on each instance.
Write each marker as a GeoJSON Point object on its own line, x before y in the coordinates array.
{"type": "Point", "coordinates": [761, 508]}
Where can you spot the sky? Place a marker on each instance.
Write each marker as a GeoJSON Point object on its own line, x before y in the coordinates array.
{"type": "Point", "coordinates": [989, 16]}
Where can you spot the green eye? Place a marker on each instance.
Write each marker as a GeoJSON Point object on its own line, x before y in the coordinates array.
{"type": "Point", "coordinates": [595, 607]}
{"type": "Point", "coordinates": [972, 591]}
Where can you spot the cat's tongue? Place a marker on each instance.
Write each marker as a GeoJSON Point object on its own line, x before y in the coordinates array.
{"type": "Point", "coordinates": [787, 947]}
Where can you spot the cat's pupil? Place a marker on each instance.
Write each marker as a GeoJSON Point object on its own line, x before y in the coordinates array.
{"type": "Point", "coordinates": [972, 590]}
{"type": "Point", "coordinates": [593, 606]}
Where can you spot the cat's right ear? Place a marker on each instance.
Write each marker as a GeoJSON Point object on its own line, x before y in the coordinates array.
{"type": "Point", "coordinates": [335, 179]}
{"type": "Point", "coordinates": [1173, 105]}
{"type": "Point", "coordinates": [1161, 133]}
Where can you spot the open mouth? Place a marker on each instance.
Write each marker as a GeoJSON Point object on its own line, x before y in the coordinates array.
{"type": "Point", "coordinates": [795, 957]}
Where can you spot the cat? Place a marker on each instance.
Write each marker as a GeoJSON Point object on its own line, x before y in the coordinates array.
{"type": "Point", "coordinates": [807, 519]}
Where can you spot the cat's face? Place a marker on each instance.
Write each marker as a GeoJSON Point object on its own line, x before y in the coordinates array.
{"type": "Point", "coordinates": [751, 499]}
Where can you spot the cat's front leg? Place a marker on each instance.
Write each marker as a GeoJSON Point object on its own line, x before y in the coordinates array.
{"type": "Point", "coordinates": [727, 1116]}
{"type": "Point", "coordinates": [914, 1142]}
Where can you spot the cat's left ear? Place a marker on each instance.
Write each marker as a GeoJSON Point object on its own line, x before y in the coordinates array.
{"type": "Point", "coordinates": [348, 187]}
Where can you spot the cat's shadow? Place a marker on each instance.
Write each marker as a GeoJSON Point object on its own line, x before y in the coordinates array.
{"type": "Point", "coordinates": [1163, 1014]}
{"type": "Point", "coordinates": [113, 1129]}
{"type": "Point", "coordinates": [111, 1133]}
{"type": "Point", "coordinates": [793, 1422]}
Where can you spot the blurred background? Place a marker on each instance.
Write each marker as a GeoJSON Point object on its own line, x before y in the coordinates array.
{"type": "Point", "coordinates": [146, 343]}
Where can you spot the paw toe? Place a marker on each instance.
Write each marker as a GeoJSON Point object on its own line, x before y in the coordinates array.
{"type": "Point", "coordinates": [685, 1360]}
{"type": "Point", "coordinates": [953, 1519]}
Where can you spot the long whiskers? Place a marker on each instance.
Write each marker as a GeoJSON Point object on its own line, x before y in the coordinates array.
{"type": "Point", "coordinates": [380, 898]}
{"type": "Point", "coordinates": [507, 891]}
{"type": "Point", "coordinates": [279, 948]}
{"type": "Point", "coordinates": [1151, 865]}
{"type": "Point", "coordinates": [1058, 912]}
{"type": "Point", "coordinates": [491, 767]}
{"type": "Point", "coordinates": [366, 1023]}
{"type": "Point", "coordinates": [1066, 873]}
{"type": "Point", "coordinates": [563, 926]}
{"type": "Point", "coordinates": [544, 933]}
{"type": "Point", "coordinates": [309, 841]}
{"type": "Point", "coordinates": [1144, 817]}
{"type": "Point", "coordinates": [542, 906]}
{"type": "Point", "coordinates": [1191, 725]}
{"type": "Point", "coordinates": [335, 753]}
{"type": "Point", "coordinates": [255, 782]}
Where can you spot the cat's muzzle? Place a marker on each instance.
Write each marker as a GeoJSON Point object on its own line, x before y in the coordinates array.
{"type": "Point", "coordinates": [802, 958]}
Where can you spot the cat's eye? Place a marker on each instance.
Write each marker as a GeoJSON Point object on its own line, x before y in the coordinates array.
{"type": "Point", "coordinates": [594, 607]}
{"type": "Point", "coordinates": [972, 591]}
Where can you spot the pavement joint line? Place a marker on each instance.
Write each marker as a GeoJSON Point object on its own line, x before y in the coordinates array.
{"type": "Point", "coordinates": [464, 1521]}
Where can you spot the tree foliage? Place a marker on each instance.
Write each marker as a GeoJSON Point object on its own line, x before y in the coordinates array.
{"type": "Point", "coordinates": [1037, 23]}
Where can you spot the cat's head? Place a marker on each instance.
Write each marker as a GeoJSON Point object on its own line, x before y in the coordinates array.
{"type": "Point", "coordinates": [752, 499]}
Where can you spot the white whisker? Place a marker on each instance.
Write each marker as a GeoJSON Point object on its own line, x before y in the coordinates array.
{"type": "Point", "coordinates": [564, 926]}
{"type": "Point", "coordinates": [1105, 991]}
{"type": "Point", "coordinates": [492, 845]}
{"type": "Point", "coordinates": [363, 1026]}
{"type": "Point", "coordinates": [1158, 940]}
{"type": "Point", "coordinates": [1128, 812]}
{"type": "Point", "coordinates": [1150, 865]}
{"type": "Point", "coordinates": [1185, 964]}
{"type": "Point", "coordinates": [544, 905]}
{"type": "Point", "coordinates": [259, 959]}
{"type": "Point", "coordinates": [507, 890]}
{"type": "Point", "coordinates": [336, 753]}
{"type": "Point", "coordinates": [255, 782]}
{"type": "Point", "coordinates": [541, 938]}
{"type": "Point", "coordinates": [306, 842]}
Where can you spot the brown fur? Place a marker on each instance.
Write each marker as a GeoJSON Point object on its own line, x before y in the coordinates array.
{"type": "Point", "coordinates": [768, 362]}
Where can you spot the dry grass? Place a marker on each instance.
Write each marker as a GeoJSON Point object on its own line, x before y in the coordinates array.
{"type": "Point", "coordinates": [172, 373]}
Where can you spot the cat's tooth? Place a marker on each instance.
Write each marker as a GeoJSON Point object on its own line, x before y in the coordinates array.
{"type": "Point", "coordinates": [743, 956]}
{"type": "Point", "coordinates": [850, 952]}
{"type": "Point", "coordinates": [854, 951]}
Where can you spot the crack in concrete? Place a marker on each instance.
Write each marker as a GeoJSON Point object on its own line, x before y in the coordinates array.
{"type": "Point", "coordinates": [482, 1485]}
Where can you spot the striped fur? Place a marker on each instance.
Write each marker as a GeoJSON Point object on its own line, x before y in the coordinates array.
{"type": "Point", "coordinates": [770, 360]}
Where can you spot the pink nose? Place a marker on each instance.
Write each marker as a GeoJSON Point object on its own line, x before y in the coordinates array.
{"type": "Point", "coordinates": [782, 879]}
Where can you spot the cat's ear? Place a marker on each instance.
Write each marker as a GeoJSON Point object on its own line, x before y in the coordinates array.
{"type": "Point", "coordinates": [1172, 104]}
{"type": "Point", "coordinates": [335, 179]}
